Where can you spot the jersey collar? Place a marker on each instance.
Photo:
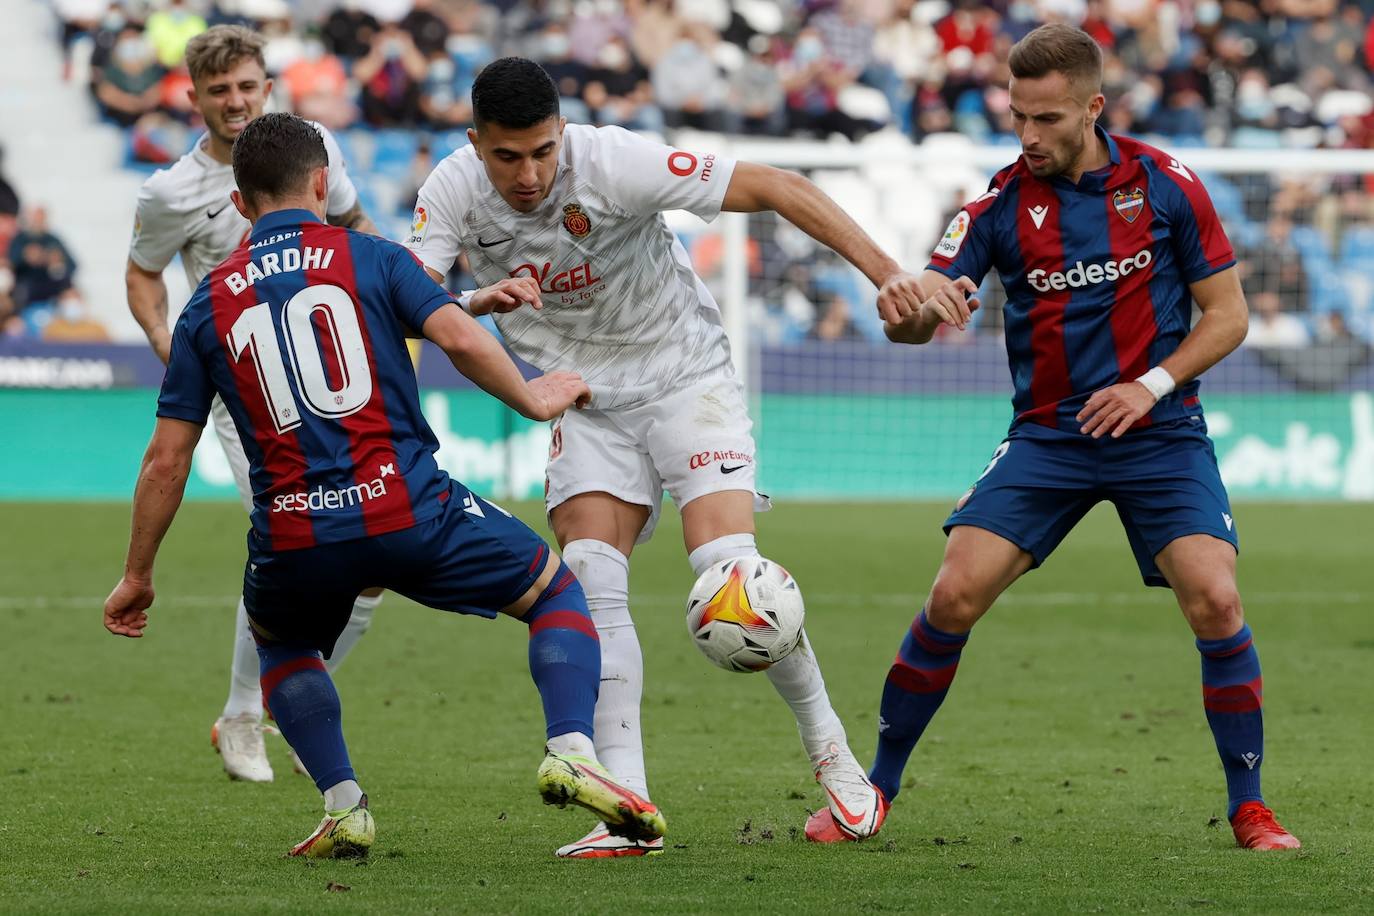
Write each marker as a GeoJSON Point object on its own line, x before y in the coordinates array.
{"type": "Point", "coordinates": [278, 219]}
{"type": "Point", "coordinates": [1098, 179]}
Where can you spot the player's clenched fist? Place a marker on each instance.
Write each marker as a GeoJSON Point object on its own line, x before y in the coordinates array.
{"type": "Point", "coordinates": [506, 296]}
{"type": "Point", "coordinates": [555, 392]}
{"type": "Point", "coordinates": [124, 609]}
{"type": "Point", "coordinates": [900, 297]}
{"type": "Point", "coordinates": [953, 303]}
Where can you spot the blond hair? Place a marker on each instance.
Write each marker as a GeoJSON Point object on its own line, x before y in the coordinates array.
{"type": "Point", "coordinates": [217, 50]}
{"type": "Point", "coordinates": [1059, 48]}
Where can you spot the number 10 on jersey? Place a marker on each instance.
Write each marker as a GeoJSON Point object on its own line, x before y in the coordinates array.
{"type": "Point", "coordinates": [254, 332]}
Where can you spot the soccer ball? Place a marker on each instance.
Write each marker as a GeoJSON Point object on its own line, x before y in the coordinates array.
{"type": "Point", "coordinates": [745, 614]}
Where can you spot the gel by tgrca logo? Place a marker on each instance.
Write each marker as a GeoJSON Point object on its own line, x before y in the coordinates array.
{"type": "Point", "coordinates": [1080, 275]}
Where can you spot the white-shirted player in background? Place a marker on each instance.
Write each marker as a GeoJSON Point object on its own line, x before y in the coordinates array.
{"type": "Point", "coordinates": [186, 209]}
{"type": "Point", "coordinates": [578, 210]}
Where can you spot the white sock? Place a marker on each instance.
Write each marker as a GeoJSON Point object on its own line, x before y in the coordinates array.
{"type": "Point", "coordinates": [797, 678]}
{"type": "Point", "coordinates": [358, 622]}
{"type": "Point", "coordinates": [574, 743]}
{"type": "Point", "coordinates": [605, 576]}
{"type": "Point", "coordinates": [245, 688]}
{"type": "Point", "coordinates": [341, 796]}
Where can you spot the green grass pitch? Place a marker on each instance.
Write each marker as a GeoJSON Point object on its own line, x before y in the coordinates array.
{"type": "Point", "coordinates": [1070, 769]}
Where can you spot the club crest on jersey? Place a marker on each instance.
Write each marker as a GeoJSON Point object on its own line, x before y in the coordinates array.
{"type": "Point", "coordinates": [575, 221]}
{"type": "Point", "coordinates": [1129, 203]}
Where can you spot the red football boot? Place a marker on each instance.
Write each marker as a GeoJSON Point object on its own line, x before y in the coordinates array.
{"type": "Point", "coordinates": [1256, 828]}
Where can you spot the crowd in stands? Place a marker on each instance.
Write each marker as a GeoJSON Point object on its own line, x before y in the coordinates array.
{"type": "Point", "coordinates": [38, 296]}
{"type": "Point", "coordinates": [1241, 73]}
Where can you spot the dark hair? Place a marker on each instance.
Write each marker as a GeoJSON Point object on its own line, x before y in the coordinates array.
{"type": "Point", "coordinates": [274, 156]}
{"type": "Point", "coordinates": [220, 48]}
{"type": "Point", "coordinates": [513, 92]}
{"type": "Point", "coordinates": [1059, 48]}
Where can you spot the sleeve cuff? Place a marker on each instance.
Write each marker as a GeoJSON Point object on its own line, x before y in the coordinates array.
{"type": "Point", "coordinates": [182, 412]}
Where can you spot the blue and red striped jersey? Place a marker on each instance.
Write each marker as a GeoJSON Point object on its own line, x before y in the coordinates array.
{"type": "Point", "coordinates": [302, 332]}
{"type": "Point", "coordinates": [1096, 274]}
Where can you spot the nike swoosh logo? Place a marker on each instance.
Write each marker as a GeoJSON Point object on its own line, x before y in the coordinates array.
{"type": "Point", "coordinates": [483, 243]}
{"type": "Point", "coordinates": [725, 470]}
{"type": "Point", "coordinates": [853, 820]}
{"type": "Point", "coordinates": [211, 214]}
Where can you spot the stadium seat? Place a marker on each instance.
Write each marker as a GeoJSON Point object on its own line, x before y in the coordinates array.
{"type": "Point", "coordinates": [394, 151]}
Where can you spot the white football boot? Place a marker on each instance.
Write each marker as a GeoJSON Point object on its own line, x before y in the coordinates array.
{"type": "Point", "coordinates": [856, 805]}
{"type": "Point", "coordinates": [602, 844]}
{"type": "Point", "coordinates": [238, 739]}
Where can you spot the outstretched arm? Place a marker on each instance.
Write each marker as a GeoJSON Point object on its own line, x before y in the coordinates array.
{"type": "Point", "coordinates": [1224, 323]}
{"type": "Point", "coordinates": [944, 301]}
{"type": "Point", "coordinates": [479, 356]}
{"type": "Point", "coordinates": [161, 483]}
{"type": "Point", "coordinates": [755, 188]}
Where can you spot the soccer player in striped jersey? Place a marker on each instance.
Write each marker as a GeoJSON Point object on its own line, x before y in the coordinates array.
{"type": "Point", "coordinates": [185, 209]}
{"type": "Point", "coordinates": [301, 333]}
{"type": "Point", "coordinates": [1103, 244]}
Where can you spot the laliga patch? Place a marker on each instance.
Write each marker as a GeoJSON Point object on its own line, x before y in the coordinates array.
{"type": "Point", "coordinates": [418, 225]}
{"type": "Point", "coordinates": [954, 236]}
{"type": "Point", "coordinates": [1129, 203]}
{"type": "Point", "coordinates": [575, 221]}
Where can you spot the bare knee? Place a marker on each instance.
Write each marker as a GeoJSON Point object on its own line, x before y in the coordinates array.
{"type": "Point", "coordinates": [1214, 611]}
{"type": "Point", "coordinates": [955, 603]}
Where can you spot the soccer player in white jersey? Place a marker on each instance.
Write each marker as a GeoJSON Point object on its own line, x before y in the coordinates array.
{"type": "Point", "coordinates": [186, 209]}
{"type": "Point", "coordinates": [578, 209]}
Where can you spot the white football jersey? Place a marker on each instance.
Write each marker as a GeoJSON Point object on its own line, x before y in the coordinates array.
{"type": "Point", "coordinates": [186, 208]}
{"type": "Point", "coordinates": [621, 302]}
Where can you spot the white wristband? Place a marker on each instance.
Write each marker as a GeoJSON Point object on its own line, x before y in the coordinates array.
{"type": "Point", "coordinates": [465, 300]}
{"type": "Point", "coordinates": [1158, 382]}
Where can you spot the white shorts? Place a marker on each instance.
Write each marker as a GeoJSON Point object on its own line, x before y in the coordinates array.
{"type": "Point", "coordinates": [690, 443]}
{"type": "Point", "coordinates": [233, 450]}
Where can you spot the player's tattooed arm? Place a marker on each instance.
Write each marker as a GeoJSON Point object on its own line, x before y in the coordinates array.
{"type": "Point", "coordinates": [147, 294]}
{"type": "Point", "coordinates": [355, 218]}
{"type": "Point", "coordinates": [1223, 325]}
{"type": "Point", "coordinates": [755, 188]}
{"type": "Point", "coordinates": [157, 496]}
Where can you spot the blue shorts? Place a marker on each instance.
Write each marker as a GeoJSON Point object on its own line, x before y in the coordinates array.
{"type": "Point", "coordinates": [473, 558]}
{"type": "Point", "coordinates": [1163, 481]}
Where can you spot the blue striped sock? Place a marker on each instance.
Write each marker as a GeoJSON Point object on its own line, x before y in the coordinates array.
{"type": "Point", "coordinates": [916, 686]}
{"type": "Point", "coordinates": [1233, 696]}
{"type": "Point", "coordinates": [305, 706]}
{"type": "Point", "coordinates": [565, 655]}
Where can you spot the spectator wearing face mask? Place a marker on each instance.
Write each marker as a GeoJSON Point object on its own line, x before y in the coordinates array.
{"type": "Point", "coordinates": [127, 88]}
{"type": "Point", "coordinates": [756, 96]}
{"type": "Point", "coordinates": [391, 76]}
{"type": "Point", "coordinates": [446, 97]}
{"type": "Point", "coordinates": [42, 266]}
{"type": "Point", "coordinates": [688, 85]}
{"type": "Point", "coordinates": [553, 49]}
{"type": "Point", "coordinates": [72, 322]}
{"type": "Point", "coordinates": [618, 89]}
